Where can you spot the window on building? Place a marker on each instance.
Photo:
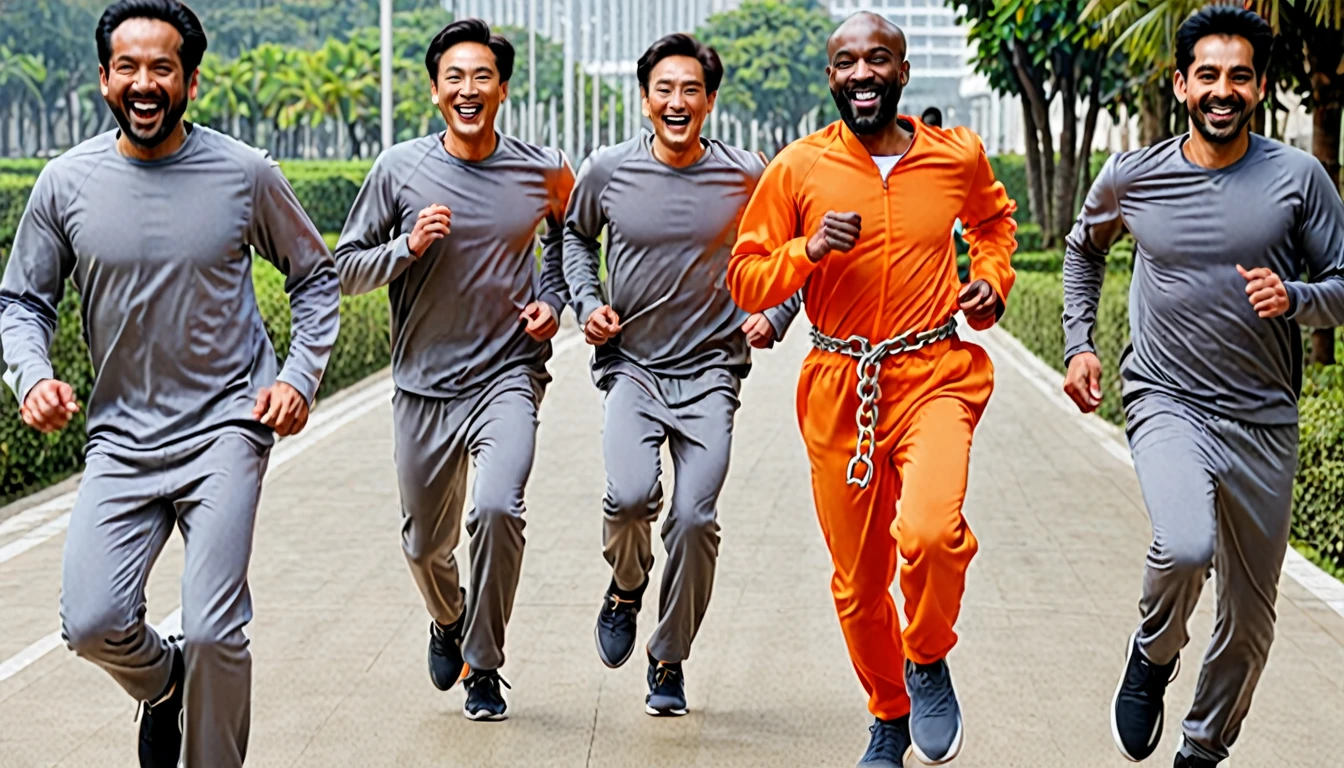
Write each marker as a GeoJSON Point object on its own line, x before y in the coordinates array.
{"type": "Point", "coordinates": [919, 20]}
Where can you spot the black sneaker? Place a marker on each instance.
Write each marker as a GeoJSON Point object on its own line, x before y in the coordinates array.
{"type": "Point", "coordinates": [889, 745]}
{"type": "Point", "coordinates": [667, 690]}
{"type": "Point", "coordinates": [935, 716]}
{"type": "Point", "coordinates": [161, 723]}
{"type": "Point", "coordinates": [615, 630]}
{"type": "Point", "coordinates": [445, 653]}
{"type": "Point", "coordinates": [484, 699]}
{"type": "Point", "coordinates": [1137, 711]}
{"type": "Point", "coordinates": [1184, 761]}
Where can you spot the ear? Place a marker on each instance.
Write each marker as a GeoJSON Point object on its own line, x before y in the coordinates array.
{"type": "Point", "coordinates": [713, 97]}
{"type": "Point", "coordinates": [102, 81]}
{"type": "Point", "coordinates": [1178, 85]}
{"type": "Point", "coordinates": [195, 85]}
{"type": "Point", "coordinates": [904, 73]}
{"type": "Point", "coordinates": [434, 92]}
{"type": "Point", "coordinates": [504, 91]}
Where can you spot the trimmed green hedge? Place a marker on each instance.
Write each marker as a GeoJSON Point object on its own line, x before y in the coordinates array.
{"type": "Point", "coordinates": [30, 460]}
{"type": "Point", "coordinates": [1034, 315]}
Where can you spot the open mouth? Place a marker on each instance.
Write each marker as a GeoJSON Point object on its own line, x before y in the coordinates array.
{"type": "Point", "coordinates": [676, 122]}
{"type": "Point", "coordinates": [468, 112]}
{"type": "Point", "coordinates": [146, 110]}
{"type": "Point", "coordinates": [864, 99]}
{"type": "Point", "coordinates": [1222, 114]}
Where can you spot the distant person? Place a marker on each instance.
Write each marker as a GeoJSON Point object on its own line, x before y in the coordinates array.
{"type": "Point", "coordinates": [448, 223]}
{"type": "Point", "coordinates": [1211, 377]}
{"type": "Point", "coordinates": [933, 116]}
{"type": "Point", "coordinates": [156, 223]}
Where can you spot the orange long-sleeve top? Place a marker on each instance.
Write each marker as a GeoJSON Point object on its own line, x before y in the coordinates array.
{"type": "Point", "coordinates": [902, 274]}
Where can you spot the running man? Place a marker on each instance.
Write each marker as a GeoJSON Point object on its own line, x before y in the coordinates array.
{"type": "Point", "coordinates": [1211, 377]}
{"type": "Point", "coordinates": [448, 222]}
{"type": "Point", "coordinates": [671, 348]}
{"type": "Point", "coordinates": [860, 216]}
{"type": "Point", "coordinates": [156, 223]}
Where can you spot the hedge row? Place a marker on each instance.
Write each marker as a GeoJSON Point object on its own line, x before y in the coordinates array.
{"type": "Point", "coordinates": [30, 461]}
{"type": "Point", "coordinates": [1034, 312]}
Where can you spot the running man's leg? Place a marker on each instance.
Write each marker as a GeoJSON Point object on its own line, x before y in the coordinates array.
{"type": "Point", "coordinates": [1254, 497]}
{"type": "Point", "coordinates": [632, 436]}
{"type": "Point", "coordinates": [216, 494]}
{"type": "Point", "coordinates": [118, 527]}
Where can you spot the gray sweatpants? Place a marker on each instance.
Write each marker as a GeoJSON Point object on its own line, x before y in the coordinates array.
{"type": "Point", "coordinates": [699, 431]}
{"type": "Point", "coordinates": [1220, 494]}
{"type": "Point", "coordinates": [127, 505]}
{"type": "Point", "coordinates": [435, 438]}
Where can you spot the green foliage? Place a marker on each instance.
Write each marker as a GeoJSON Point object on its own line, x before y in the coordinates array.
{"type": "Point", "coordinates": [14, 192]}
{"type": "Point", "coordinates": [30, 460]}
{"type": "Point", "coordinates": [326, 190]}
{"type": "Point", "coordinates": [1318, 495]}
{"type": "Point", "coordinates": [774, 58]}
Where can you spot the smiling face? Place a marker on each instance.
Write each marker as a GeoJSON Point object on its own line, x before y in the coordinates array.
{"type": "Point", "coordinates": [1221, 92]}
{"type": "Point", "coordinates": [867, 72]}
{"type": "Point", "coordinates": [468, 90]}
{"type": "Point", "coordinates": [677, 102]}
{"type": "Point", "coordinates": [144, 83]}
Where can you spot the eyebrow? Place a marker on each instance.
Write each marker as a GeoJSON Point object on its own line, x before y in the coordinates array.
{"type": "Point", "coordinates": [1239, 68]}
{"type": "Point", "coordinates": [479, 70]}
{"type": "Point", "coordinates": [683, 81]}
{"type": "Point", "coordinates": [875, 49]}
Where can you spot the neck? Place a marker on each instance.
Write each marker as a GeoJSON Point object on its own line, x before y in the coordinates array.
{"type": "Point", "coordinates": [1213, 156]}
{"type": "Point", "coordinates": [891, 140]}
{"type": "Point", "coordinates": [159, 151]}
{"type": "Point", "coordinates": [472, 150]}
{"type": "Point", "coordinates": [674, 157]}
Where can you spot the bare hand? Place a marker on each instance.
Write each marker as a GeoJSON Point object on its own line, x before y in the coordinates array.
{"type": "Point", "coordinates": [760, 333]}
{"type": "Point", "coordinates": [433, 225]}
{"type": "Point", "coordinates": [49, 406]}
{"type": "Point", "coordinates": [979, 302]}
{"type": "Point", "coordinates": [282, 408]}
{"type": "Point", "coordinates": [540, 319]}
{"type": "Point", "coordinates": [1083, 382]}
{"type": "Point", "coordinates": [837, 232]}
{"type": "Point", "coordinates": [1266, 290]}
{"type": "Point", "coordinates": [601, 326]}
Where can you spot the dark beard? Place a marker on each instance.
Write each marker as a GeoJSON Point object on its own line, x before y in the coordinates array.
{"type": "Point", "coordinates": [1200, 119]}
{"type": "Point", "coordinates": [888, 104]}
{"type": "Point", "coordinates": [172, 116]}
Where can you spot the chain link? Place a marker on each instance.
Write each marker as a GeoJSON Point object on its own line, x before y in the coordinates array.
{"type": "Point", "coordinates": [869, 389]}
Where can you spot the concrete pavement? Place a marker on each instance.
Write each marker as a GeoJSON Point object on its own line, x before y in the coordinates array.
{"type": "Point", "coordinates": [339, 636]}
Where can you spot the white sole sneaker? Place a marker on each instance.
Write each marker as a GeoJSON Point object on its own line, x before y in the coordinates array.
{"type": "Point", "coordinates": [1156, 735]}
{"type": "Point", "coordinates": [483, 716]}
{"type": "Point", "coordinates": [952, 751]}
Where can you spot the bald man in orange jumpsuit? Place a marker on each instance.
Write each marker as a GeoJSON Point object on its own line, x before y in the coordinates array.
{"type": "Point", "coordinates": [860, 215]}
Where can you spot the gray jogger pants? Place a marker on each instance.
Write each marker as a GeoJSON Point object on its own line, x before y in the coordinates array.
{"type": "Point", "coordinates": [435, 439]}
{"type": "Point", "coordinates": [699, 435]}
{"type": "Point", "coordinates": [127, 505]}
{"type": "Point", "coordinates": [1220, 494]}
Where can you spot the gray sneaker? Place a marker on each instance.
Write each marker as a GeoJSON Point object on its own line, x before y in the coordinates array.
{"type": "Point", "coordinates": [935, 717]}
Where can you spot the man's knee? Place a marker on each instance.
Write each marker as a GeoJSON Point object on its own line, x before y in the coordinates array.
{"type": "Point", "coordinates": [1186, 559]}
{"type": "Point", "coordinates": [100, 631]}
{"type": "Point", "coordinates": [933, 535]}
{"type": "Point", "coordinates": [632, 501]}
{"type": "Point", "coordinates": [695, 524]}
{"type": "Point", "coordinates": [496, 509]}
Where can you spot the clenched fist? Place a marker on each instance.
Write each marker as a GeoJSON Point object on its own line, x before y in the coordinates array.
{"type": "Point", "coordinates": [281, 408]}
{"type": "Point", "coordinates": [433, 225]}
{"type": "Point", "coordinates": [49, 406]}
{"type": "Point", "coordinates": [837, 232]}
{"type": "Point", "coordinates": [760, 333]}
{"type": "Point", "coordinates": [601, 326]}
{"type": "Point", "coordinates": [1083, 381]}
{"type": "Point", "coordinates": [540, 319]}
{"type": "Point", "coordinates": [1266, 291]}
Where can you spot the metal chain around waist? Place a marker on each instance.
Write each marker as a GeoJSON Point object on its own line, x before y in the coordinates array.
{"type": "Point", "coordinates": [869, 364]}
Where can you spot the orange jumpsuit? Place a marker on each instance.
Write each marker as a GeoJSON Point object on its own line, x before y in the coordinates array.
{"type": "Point", "coordinates": [901, 277]}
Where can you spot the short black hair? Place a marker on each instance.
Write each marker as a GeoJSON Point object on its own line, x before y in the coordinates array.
{"type": "Point", "coordinates": [470, 31]}
{"type": "Point", "coordinates": [171, 11]}
{"type": "Point", "coordinates": [935, 113]}
{"type": "Point", "coordinates": [1224, 20]}
{"type": "Point", "coordinates": [681, 44]}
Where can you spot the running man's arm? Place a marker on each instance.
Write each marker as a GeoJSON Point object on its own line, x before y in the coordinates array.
{"type": "Point", "coordinates": [284, 235]}
{"type": "Point", "coordinates": [1319, 303]}
{"type": "Point", "coordinates": [1085, 251]}
{"type": "Point", "coordinates": [782, 316]}
{"type": "Point", "coordinates": [553, 288]}
{"type": "Point", "coordinates": [770, 262]}
{"type": "Point", "coordinates": [988, 229]}
{"type": "Point", "coordinates": [583, 224]}
{"type": "Point", "coordinates": [371, 251]}
{"type": "Point", "coordinates": [34, 283]}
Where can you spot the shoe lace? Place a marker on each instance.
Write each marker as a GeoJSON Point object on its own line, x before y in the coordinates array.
{"type": "Point", "coordinates": [933, 677]}
{"type": "Point", "coordinates": [666, 676]}
{"type": "Point", "coordinates": [619, 616]}
{"type": "Point", "coordinates": [485, 686]}
{"type": "Point", "coordinates": [886, 741]}
{"type": "Point", "coordinates": [1152, 678]}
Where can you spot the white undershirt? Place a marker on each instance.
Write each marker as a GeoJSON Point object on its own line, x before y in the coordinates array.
{"type": "Point", "coordinates": [885, 163]}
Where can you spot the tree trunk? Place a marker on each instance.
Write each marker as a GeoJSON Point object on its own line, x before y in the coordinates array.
{"type": "Point", "coordinates": [1325, 146]}
{"type": "Point", "coordinates": [1035, 181]}
{"type": "Point", "coordinates": [1066, 179]}
{"type": "Point", "coordinates": [43, 126]}
{"type": "Point", "coordinates": [5, 117]}
{"type": "Point", "coordinates": [1154, 114]}
{"type": "Point", "coordinates": [1041, 117]}
{"type": "Point", "coordinates": [1085, 151]}
{"type": "Point", "coordinates": [73, 116]}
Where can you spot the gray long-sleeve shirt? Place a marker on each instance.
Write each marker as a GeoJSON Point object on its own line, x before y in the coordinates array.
{"type": "Point", "coordinates": [455, 310]}
{"type": "Point", "coordinates": [161, 254]}
{"type": "Point", "coordinates": [670, 234]}
{"type": "Point", "coordinates": [1193, 331]}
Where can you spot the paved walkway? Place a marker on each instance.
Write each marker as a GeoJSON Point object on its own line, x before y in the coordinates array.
{"type": "Point", "coordinates": [339, 636]}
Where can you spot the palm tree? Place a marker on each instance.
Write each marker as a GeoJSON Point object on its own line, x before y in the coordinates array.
{"type": "Point", "coordinates": [19, 73]}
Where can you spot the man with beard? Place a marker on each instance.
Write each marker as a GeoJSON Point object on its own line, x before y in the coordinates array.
{"type": "Point", "coordinates": [860, 216]}
{"type": "Point", "coordinates": [671, 348]}
{"type": "Point", "coordinates": [448, 222]}
{"type": "Point", "coordinates": [1225, 222]}
{"type": "Point", "coordinates": [156, 224]}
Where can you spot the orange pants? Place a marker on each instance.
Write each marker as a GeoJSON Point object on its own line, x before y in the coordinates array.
{"type": "Point", "coordinates": [920, 467]}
